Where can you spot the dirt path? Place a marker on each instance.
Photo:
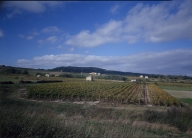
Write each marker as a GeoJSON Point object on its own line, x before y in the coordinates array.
{"type": "Point", "coordinates": [145, 92]}
{"type": "Point", "coordinates": [148, 99]}
{"type": "Point", "coordinates": [144, 95]}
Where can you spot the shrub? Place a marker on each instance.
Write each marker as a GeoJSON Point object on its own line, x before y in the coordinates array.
{"type": "Point", "coordinates": [25, 82]}
{"type": "Point", "coordinates": [49, 81]}
{"type": "Point", "coordinates": [6, 82]}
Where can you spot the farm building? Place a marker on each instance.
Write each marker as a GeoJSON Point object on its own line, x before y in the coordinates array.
{"type": "Point", "coordinates": [133, 80]}
{"type": "Point", "coordinates": [38, 76]}
{"type": "Point", "coordinates": [141, 76]}
{"type": "Point", "coordinates": [47, 75]}
{"type": "Point", "coordinates": [89, 78]}
{"type": "Point", "coordinates": [146, 77]}
{"type": "Point", "coordinates": [93, 73]}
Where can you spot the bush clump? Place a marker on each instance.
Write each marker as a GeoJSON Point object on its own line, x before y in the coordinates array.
{"type": "Point", "coordinates": [49, 81]}
{"type": "Point", "coordinates": [25, 82]}
{"type": "Point", "coordinates": [6, 82]}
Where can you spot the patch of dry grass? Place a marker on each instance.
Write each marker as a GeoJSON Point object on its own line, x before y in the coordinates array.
{"type": "Point", "coordinates": [180, 94]}
{"type": "Point", "coordinates": [155, 126]}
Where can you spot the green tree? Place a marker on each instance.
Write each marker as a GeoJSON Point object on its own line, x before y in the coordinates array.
{"type": "Point", "coordinates": [25, 72]}
{"type": "Point", "coordinates": [124, 79]}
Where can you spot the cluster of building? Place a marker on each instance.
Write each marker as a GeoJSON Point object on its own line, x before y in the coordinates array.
{"type": "Point", "coordinates": [134, 79]}
{"type": "Point", "coordinates": [90, 77]}
{"type": "Point", "coordinates": [47, 75]}
{"type": "Point", "coordinates": [94, 73]}
{"type": "Point", "coordinates": [146, 77]}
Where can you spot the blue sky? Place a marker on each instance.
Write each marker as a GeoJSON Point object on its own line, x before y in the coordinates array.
{"type": "Point", "coordinates": [144, 37]}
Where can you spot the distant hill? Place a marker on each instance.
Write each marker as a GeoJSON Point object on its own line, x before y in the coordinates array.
{"type": "Point", "coordinates": [8, 69]}
{"type": "Point", "coordinates": [94, 69]}
{"type": "Point", "coordinates": [72, 69]}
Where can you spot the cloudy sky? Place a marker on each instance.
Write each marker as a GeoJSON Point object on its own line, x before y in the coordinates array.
{"type": "Point", "coordinates": [144, 37]}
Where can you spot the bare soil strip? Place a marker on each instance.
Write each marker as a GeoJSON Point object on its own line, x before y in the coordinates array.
{"type": "Point", "coordinates": [145, 93]}
{"type": "Point", "coordinates": [148, 99]}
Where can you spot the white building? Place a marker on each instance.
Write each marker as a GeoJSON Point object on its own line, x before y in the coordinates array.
{"type": "Point", "coordinates": [98, 74]}
{"type": "Point", "coordinates": [93, 73]}
{"type": "Point", "coordinates": [38, 76]}
{"type": "Point", "coordinates": [47, 75]}
{"type": "Point", "coordinates": [141, 76]}
{"type": "Point", "coordinates": [89, 78]}
{"type": "Point", "coordinates": [146, 77]}
{"type": "Point", "coordinates": [133, 80]}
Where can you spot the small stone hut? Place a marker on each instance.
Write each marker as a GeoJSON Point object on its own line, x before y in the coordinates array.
{"type": "Point", "coordinates": [89, 78]}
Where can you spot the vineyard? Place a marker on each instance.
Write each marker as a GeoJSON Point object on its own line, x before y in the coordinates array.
{"type": "Point", "coordinates": [113, 92]}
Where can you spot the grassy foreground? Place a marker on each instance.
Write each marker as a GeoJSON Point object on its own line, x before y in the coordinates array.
{"type": "Point", "coordinates": [24, 118]}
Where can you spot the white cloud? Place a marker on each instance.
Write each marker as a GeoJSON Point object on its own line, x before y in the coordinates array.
{"type": "Point", "coordinates": [14, 13]}
{"type": "Point", "coordinates": [1, 33]}
{"type": "Point", "coordinates": [32, 6]}
{"type": "Point", "coordinates": [29, 37]}
{"type": "Point", "coordinates": [40, 41]}
{"type": "Point", "coordinates": [167, 62]}
{"type": "Point", "coordinates": [72, 49]}
{"type": "Point", "coordinates": [34, 33]}
{"type": "Point", "coordinates": [105, 34]}
{"type": "Point", "coordinates": [158, 23]}
{"type": "Point", "coordinates": [59, 46]}
{"type": "Point", "coordinates": [21, 36]}
{"type": "Point", "coordinates": [51, 29]}
{"type": "Point", "coordinates": [52, 39]}
{"type": "Point", "coordinates": [114, 8]}
{"type": "Point", "coordinates": [165, 21]}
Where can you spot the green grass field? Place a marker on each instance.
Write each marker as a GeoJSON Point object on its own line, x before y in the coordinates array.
{"type": "Point", "coordinates": [186, 100]}
{"type": "Point", "coordinates": [177, 88]}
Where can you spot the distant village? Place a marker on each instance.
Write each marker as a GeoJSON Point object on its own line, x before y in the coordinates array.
{"type": "Point", "coordinates": [92, 74]}
{"type": "Point", "coordinates": [83, 72]}
{"type": "Point", "coordinates": [141, 76]}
